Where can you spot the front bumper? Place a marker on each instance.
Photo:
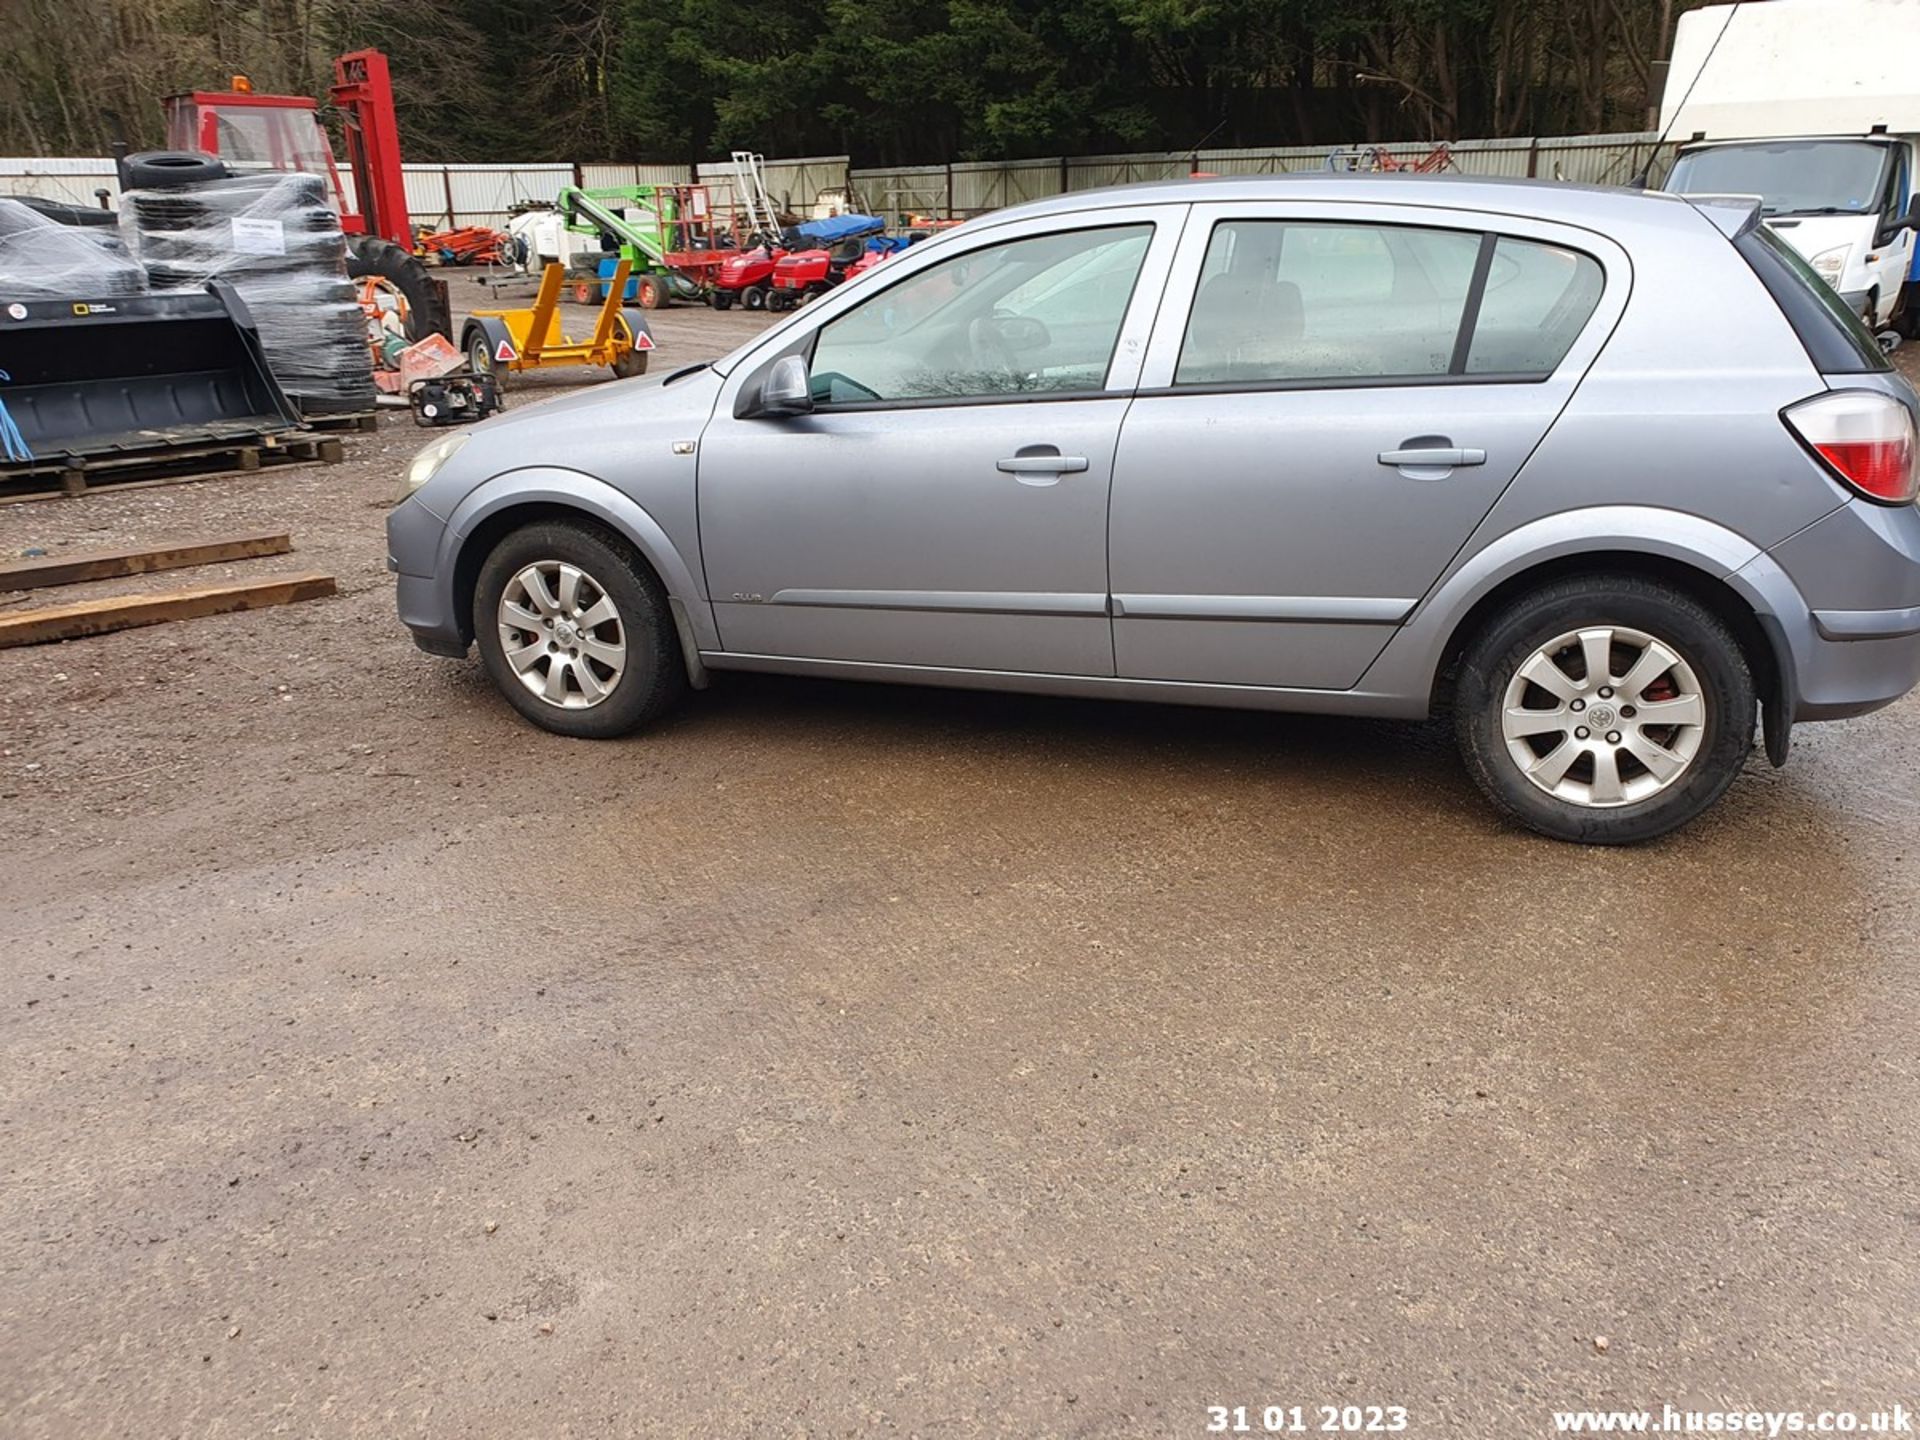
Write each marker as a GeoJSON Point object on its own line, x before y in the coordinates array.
{"type": "Point", "coordinates": [414, 535]}
{"type": "Point", "coordinates": [423, 611]}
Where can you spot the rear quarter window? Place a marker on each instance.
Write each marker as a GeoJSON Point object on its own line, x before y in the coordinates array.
{"type": "Point", "coordinates": [1835, 339]}
{"type": "Point", "coordinates": [1538, 299]}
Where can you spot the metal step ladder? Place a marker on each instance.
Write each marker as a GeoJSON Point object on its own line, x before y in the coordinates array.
{"type": "Point", "coordinates": [750, 185]}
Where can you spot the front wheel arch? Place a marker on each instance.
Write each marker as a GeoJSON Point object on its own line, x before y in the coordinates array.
{"type": "Point", "coordinates": [479, 543]}
{"type": "Point", "coordinates": [540, 492]}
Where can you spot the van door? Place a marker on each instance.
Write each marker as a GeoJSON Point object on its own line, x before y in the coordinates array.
{"type": "Point", "coordinates": [1334, 396]}
{"type": "Point", "coordinates": [1890, 259]}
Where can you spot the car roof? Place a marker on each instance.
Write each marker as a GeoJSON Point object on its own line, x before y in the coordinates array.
{"type": "Point", "coordinates": [1595, 207]}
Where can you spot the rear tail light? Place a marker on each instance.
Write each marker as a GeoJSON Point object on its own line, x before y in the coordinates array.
{"type": "Point", "coordinates": [1865, 438]}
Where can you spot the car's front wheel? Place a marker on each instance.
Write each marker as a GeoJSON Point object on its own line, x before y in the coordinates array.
{"type": "Point", "coordinates": [1604, 709]}
{"type": "Point", "coordinates": [576, 631]}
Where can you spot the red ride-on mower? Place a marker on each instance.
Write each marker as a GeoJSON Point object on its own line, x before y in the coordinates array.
{"type": "Point", "coordinates": [745, 277]}
{"type": "Point", "coordinates": [802, 274]}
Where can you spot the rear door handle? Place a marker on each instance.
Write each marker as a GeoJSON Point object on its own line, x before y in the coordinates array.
{"type": "Point", "coordinates": [1434, 457]}
{"type": "Point", "coordinates": [1042, 464]}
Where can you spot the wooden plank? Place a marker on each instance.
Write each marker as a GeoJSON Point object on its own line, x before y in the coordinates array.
{"type": "Point", "coordinates": [114, 487]}
{"type": "Point", "coordinates": [111, 564]}
{"type": "Point", "coordinates": [124, 612]}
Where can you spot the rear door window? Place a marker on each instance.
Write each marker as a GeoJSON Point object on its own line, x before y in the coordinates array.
{"type": "Point", "coordinates": [1290, 302]}
{"type": "Point", "coordinates": [1283, 300]}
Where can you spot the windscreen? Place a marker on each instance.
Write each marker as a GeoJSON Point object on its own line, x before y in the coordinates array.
{"type": "Point", "coordinates": [253, 137]}
{"type": "Point", "coordinates": [1791, 177]}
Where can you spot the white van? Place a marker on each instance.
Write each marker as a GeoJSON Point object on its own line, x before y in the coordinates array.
{"type": "Point", "coordinates": [1768, 102]}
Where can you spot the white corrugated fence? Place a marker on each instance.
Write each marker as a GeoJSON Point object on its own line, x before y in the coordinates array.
{"type": "Point", "coordinates": [445, 196]}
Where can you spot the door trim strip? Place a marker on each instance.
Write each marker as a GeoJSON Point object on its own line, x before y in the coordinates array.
{"type": "Point", "coordinates": [981, 602]}
{"type": "Point", "coordinates": [1308, 609]}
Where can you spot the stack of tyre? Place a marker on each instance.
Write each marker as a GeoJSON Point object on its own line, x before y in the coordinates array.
{"type": "Point", "coordinates": [276, 240]}
{"type": "Point", "coordinates": [43, 259]}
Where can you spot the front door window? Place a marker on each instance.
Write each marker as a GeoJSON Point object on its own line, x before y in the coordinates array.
{"type": "Point", "coordinates": [1033, 316]}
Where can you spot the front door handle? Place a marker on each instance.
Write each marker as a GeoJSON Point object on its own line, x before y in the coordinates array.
{"type": "Point", "coordinates": [1434, 457]}
{"type": "Point", "coordinates": [1054, 464]}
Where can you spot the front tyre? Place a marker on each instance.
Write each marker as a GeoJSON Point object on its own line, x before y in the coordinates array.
{"type": "Point", "coordinates": [575, 630]}
{"type": "Point", "coordinates": [1604, 709]}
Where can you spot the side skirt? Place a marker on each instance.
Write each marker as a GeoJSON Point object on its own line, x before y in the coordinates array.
{"type": "Point", "coordinates": [1092, 687]}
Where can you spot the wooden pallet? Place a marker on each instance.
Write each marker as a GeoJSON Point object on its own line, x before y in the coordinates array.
{"type": "Point", "coordinates": [364, 421]}
{"type": "Point", "coordinates": [71, 476]}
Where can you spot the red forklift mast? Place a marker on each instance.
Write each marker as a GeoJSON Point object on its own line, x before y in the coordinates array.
{"type": "Point", "coordinates": [363, 93]}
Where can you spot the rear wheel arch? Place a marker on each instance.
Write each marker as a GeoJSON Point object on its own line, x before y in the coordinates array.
{"type": "Point", "coordinates": [1763, 648]}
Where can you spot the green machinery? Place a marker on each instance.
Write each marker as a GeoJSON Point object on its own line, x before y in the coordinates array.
{"type": "Point", "coordinates": [663, 232]}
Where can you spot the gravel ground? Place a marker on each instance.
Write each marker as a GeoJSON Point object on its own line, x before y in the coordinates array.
{"type": "Point", "coordinates": [838, 1060]}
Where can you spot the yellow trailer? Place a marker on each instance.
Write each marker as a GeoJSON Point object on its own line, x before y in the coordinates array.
{"type": "Point", "coordinates": [504, 342]}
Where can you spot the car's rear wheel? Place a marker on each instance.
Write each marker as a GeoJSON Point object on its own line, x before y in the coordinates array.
{"type": "Point", "coordinates": [575, 630]}
{"type": "Point", "coordinates": [1604, 709]}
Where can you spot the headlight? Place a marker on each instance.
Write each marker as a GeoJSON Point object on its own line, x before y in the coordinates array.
{"type": "Point", "coordinates": [428, 462]}
{"type": "Point", "coordinates": [1830, 265]}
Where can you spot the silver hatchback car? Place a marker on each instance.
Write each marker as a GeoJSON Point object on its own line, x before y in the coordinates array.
{"type": "Point", "coordinates": [1604, 474]}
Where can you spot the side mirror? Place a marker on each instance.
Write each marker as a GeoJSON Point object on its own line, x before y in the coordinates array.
{"type": "Point", "coordinates": [788, 388]}
{"type": "Point", "coordinates": [1024, 333]}
{"type": "Point", "coordinates": [1887, 233]}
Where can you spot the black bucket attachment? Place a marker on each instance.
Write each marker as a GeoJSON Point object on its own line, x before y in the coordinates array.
{"type": "Point", "coordinates": [130, 374]}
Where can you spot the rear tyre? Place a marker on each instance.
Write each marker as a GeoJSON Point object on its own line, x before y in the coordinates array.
{"type": "Point", "coordinates": [576, 631]}
{"type": "Point", "coordinates": [651, 291]}
{"type": "Point", "coordinates": [424, 294]}
{"type": "Point", "coordinates": [754, 297]}
{"type": "Point", "coordinates": [1604, 709]}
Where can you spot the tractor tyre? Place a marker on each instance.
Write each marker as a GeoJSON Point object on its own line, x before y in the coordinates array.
{"type": "Point", "coordinates": [723, 300]}
{"type": "Point", "coordinates": [585, 292]}
{"type": "Point", "coordinates": [651, 292]}
{"type": "Point", "coordinates": [164, 169]}
{"type": "Point", "coordinates": [426, 297]}
{"type": "Point", "coordinates": [754, 297]}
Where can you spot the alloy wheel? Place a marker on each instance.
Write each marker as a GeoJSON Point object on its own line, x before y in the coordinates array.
{"type": "Point", "coordinates": [562, 634]}
{"type": "Point", "coordinates": [1604, 716]}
